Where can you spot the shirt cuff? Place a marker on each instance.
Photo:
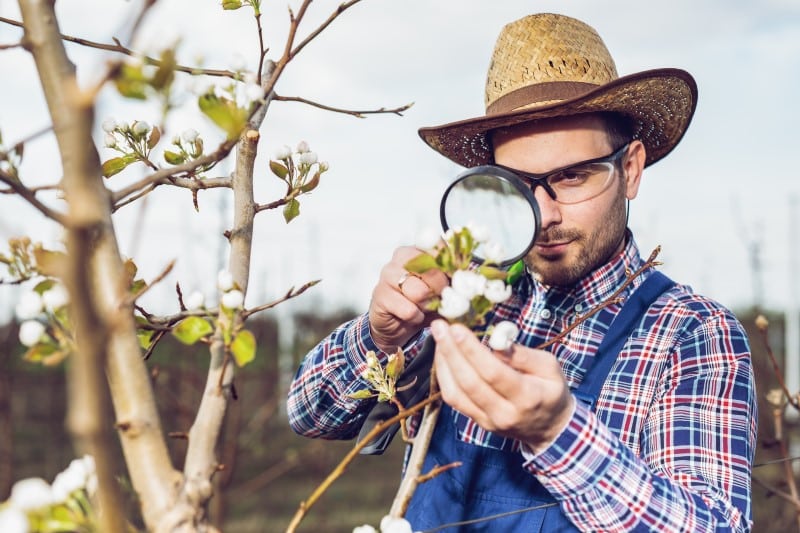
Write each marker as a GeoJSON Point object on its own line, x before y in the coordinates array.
{"type": "Point", "coordinates": [577, 459]}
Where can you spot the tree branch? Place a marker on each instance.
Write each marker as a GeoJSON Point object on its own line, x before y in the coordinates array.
{"type": "Point", "coordinates": [291, 293]}
{"type": "Point", "coordinates": [356, 113]}
{"type": "Point", "coordinates": [30, 197]}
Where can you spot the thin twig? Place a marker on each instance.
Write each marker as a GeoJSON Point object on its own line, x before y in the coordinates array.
{"type": "Point", "coordinates": [304, 506]}
{"type": "Point", "coordinates": [30, 197]}
{"type": "Point", "coordinates": [793, 400]}
{"type": "Point", "coordinates": [132, 298]}
{"type": "Point", "coordinates": [291, 293]}
{"type": "Point", "coordinates": [119, 48]}
{"type": "Point", "coordinates": [436, 470]}
{"type": "Point", "coordinates": [358, 113]}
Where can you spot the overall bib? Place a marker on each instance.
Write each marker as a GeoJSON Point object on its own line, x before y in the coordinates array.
{"type": "Point", "coordinates": [493, 482]}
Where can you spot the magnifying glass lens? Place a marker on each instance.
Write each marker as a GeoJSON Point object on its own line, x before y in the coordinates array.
{"type": "Point", "coordinates": [487, 197]}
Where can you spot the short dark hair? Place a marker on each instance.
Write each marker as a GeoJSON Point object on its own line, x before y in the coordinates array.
{"type": "Point", "coordinates": [619, 128]}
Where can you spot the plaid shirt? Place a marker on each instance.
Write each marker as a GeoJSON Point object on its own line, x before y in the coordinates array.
{"type": "Point", "coordinates": [671, 442]}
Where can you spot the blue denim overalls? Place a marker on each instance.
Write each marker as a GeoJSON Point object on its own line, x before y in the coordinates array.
{"type": "Point", "coordinates": [492, 482]}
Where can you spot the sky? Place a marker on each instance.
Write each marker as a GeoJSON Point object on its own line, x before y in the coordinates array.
{"type": "Point", "coordinates": [720, 205]}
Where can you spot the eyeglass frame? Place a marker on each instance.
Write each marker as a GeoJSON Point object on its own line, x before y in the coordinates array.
{"type": "Point", "coordinates": [533, 180]}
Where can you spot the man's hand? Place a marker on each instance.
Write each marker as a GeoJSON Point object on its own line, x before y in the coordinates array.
{"type": "Point", "coordinates": [522, 395]}
{"type": "Point", "coordinates": [397, 313]}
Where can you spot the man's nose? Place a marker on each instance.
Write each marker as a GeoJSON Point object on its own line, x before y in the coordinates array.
{"type": "Point", "coordinates": [549, 209]}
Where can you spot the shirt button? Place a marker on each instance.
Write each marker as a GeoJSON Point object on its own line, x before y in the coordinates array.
{"type": "Point", "coordinates": [578, 308]}
{"type": "Point", "coordinates": [545, 313]}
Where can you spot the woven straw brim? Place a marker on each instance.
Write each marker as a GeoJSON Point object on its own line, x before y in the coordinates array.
{"type": "Point", "coordinates": [660, 104]}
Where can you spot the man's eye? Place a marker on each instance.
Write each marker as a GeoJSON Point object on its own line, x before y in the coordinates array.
{"type": "Point", "coordinates": [571, 177]}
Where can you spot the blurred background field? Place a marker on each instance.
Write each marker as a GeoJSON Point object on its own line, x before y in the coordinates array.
{"type": "Point", "coordinates": [268, 469]}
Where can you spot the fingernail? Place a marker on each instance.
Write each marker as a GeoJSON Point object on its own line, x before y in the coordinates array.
{"type": "Point", "coordinates": [438, 329]}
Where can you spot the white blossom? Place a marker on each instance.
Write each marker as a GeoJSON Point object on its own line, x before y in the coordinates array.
{"type": "Point", "coordinates": [233, 299]}
{"type": "Point", "coordinates": [390, 524]}
{"type": "Point", "coordinates": [30, 332]}
{"type": "Point", "coordinates": [13, 520]}
{"type": "Point", "coordinates": [109, 125]}
{"type": "Point", "coordinates": [55, 298]}
{"type": "Point", "coordinates": [493, 252]}
{"type": "Point", "coordinates": [29, 306]}
{"type": "Point", "coordinates": [238, 62]}
{"type": "Point", "coordinates": [453, 304]}
{"type": "Point", "coordinates": [497, 291]}
{"type": "Point", "coordinates": [468, 283]}
{"type": "Point", "coordinates": [503, 335]}
{"type": "Point", "coordinates": [195, 300]}
{"type": "Point", "coordinates": [284, 152]}
{"type": "Point", "coordinates": [140, 127]}
{"type": "Point", "coordinates": [224, 280]}
{"type": "Point", "coordinates": [74, 477]}
{"type": "Point", "coordinates": [189, 135]}
{"type": "Point", "coordinates": [324, 166]}
{"type": "Point", "coordinates": [428, 239]}
{"type": "Point", "coordinates": [302, 147]}
{"type": "Point", "coordinates": [253, 91]}
{"type": "Point", "coordinates": [479, 232]}
{"type": "Point", "coordinates": [307, 158]}
{"type": "Point", "coordinates": [31, 493]}
{"type": "Point", "coordinates": [110, 141]}
{"type": "Point", "coordinates": [366, 528]}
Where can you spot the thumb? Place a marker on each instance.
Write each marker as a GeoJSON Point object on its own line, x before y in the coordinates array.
{"type": "Point", "coordinates": [536, 362]}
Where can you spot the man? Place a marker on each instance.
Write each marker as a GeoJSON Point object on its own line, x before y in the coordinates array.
{"type": "Point", "coordinates": [643, 417]}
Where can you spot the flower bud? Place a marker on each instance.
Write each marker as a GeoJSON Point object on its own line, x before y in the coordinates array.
{"type": "Point", "coordinates": [390, 524]}
{"type": "Point", "coordinates": [29, 306]}
{"type": "Point", "coordinates": [110, 141]}
{"type": "Point", "coordinates": [479, 232]}
{"type": "Point", "coordinates": [30, 494]}
{"type": "Point", "coordinates": [762, 323]}
{"type": "Point", "coordinates": [324, 166]}
{"type": "Point", "coordinates": [140, 128]}
{"type": "Point", "coordinates": [453, 304]}
{"type": "Point", "coordinates": [224, 280]}
{"type": "Point", "coordinates": [253, 92]}
{"type": "Point", "coordinates": [233, 299]}
{"type": "Point", "coordinates": [55, 298]}
{"type": "Point", "coordinates": [307, 158]}
{"type": "Point", "coordinates": [428, 239]}
{"type": "Point", "coordinates": [284, 152]}
{"type": "Point", "coordinates": [109, 125]}
{"type": "Point", "coordinates": [13, 520]}
{"type": "Point", "coordinates": [503, 336]}
{"type": "Point", "coordinates": [366, 528]}
{"type": "Point", "coordinates": [468, 283]}
{"type": "Point", "coordinates": [493, 252]}
{"type": "Point", "coordinates": [302, 147]}
{"type": "Point", "coordinates": [195, 300]}
{"type": "Point", "coordinates": [189, 135]}
{"type": "Point", "coordinates": [497, 291]}
{"type": "Point", "coordinates": [30, 332]}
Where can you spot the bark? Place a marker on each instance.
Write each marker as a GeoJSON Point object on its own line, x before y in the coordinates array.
{"type": "Point", "coordinates": [94, 275]}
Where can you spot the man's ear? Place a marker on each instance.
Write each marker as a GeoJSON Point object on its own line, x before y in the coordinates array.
{"type": "Point", "coordinates": [633, 165]}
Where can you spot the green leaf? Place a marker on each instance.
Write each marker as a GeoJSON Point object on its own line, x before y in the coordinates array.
{"type": "Point", "coordinates": [396, 364]}
{"type": "Point", "coordinates": [145, 337]}
{"type": "Point", "coordinates": [155, 136]}
{"type": "Point", "coordinates": [278, 169]}
{"type": "Point", "coordinates": [492, 272]}
{"type": "Point", "coordinates": [291, 210]}
{"type": "Point", "coordinates": [192, 329]}
{"type": "Point", "coordinates": [174, 158]}
{"type": "Point", "coordinates": [44, 286]}
{"type": "Point", "coordinates": [165, 74]}
{"type": "Point", "coordinates": [231, 4]}
{"type": "Point", "coordinates": [361, 394]}
{"type": "Point", "coordinates": [114, 165]}
{"type": "Point", "coordinates": [515, 272]}
{"type": "Point", "coordinates": [49, 262]}
{"type": "Point", "coordinates": [224, 113]}
{"type": "Point", "coordinates": [311, 185]}
{"type": "Point", "coordinates": [243, 347]}
{"type": "Point", "coordinates": [421, 264]}
{"type": "Point", "coordinates": [131, 82]}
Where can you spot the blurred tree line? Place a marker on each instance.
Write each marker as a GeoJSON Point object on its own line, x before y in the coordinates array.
{"type": "Point", "coordinates": [267, 469]}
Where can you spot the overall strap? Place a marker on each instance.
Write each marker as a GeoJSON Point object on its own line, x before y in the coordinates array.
{"type": "Point", "coordinates": [621, 328]}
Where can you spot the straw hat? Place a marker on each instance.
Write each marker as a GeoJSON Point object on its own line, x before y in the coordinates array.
{"type": "Point", "coordinates": [550, 65]}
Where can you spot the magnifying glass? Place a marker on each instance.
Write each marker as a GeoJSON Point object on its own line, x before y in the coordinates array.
{"type": "Point", "coordinates": [496, 199]}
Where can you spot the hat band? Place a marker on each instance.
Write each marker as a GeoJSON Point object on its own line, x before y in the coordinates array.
{"type": "Point", "coordinates": [540, 92]}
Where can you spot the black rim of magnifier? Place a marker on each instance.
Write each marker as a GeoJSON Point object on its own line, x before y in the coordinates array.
{"type": "Point", "coordinates": [509, 177]}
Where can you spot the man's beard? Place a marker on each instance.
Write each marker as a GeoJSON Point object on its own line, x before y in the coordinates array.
{"type": "Point", "coordinates": [595, 249]}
